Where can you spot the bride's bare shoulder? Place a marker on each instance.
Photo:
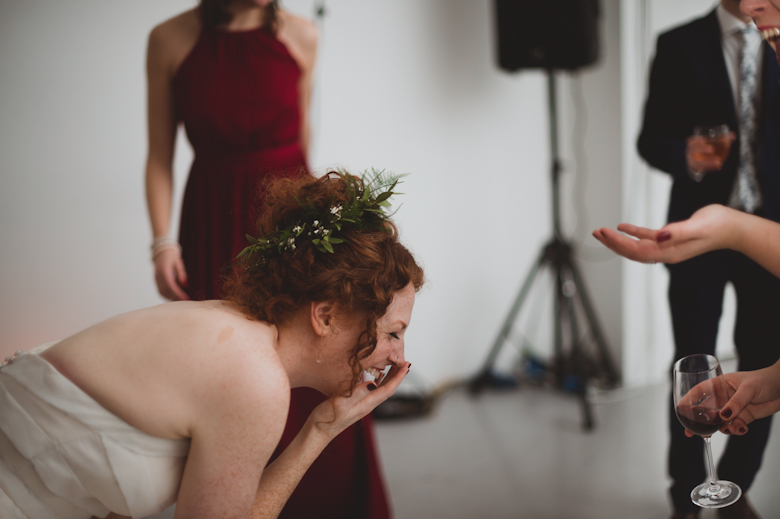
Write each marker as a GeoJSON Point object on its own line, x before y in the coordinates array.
{"type": "Point", "coordinates": [236, 339]}
{"type": "Point", "coordinates": [239, 362]}
{"type": "Point", "coordinates": [220, 326]}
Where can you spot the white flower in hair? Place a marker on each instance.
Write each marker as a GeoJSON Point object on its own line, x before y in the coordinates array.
{"type": "Point", "coordinates": [363, 208]}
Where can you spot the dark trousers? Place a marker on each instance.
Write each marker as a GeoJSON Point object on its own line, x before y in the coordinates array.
{"type": "Point", "coordinates": [696, 291]}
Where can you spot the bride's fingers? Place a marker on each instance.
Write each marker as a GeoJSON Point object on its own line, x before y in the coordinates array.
{"type": "Point", "coordinates": [390, 383]}
{"type": "Point", "coordinates": [390, 373]}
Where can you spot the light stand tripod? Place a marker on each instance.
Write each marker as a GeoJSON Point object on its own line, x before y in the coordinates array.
{"type": "Point", "coordinates": [570, 295]}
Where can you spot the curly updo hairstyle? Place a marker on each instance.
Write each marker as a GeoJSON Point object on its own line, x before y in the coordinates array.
{"type": "Point", "coordinates": [360, 277]}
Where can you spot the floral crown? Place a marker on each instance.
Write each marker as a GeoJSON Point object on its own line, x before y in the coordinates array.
{"type": "Point", "coordinates": [367, 197]}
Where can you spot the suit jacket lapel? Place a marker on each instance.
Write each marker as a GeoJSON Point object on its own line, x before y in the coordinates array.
{"type": "Point", "coordinates": [771, 77]}
{"type": "Point", "coordinates": [707, 57]}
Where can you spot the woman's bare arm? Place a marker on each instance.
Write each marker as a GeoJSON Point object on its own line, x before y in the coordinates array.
{"type": "Point", "coordinates": [300, 37]}
{"type": "Point", "coordinates": [238, 403]}
{"type": "Point", "coordinates": [326, 421]}
{"type": "Point", "coordinates": [168, 44]}
{"type": "Point", "coordinates": [711, 228]}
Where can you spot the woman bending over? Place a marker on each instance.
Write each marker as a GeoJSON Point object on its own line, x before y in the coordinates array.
{"type": "Point", "coordinates": [186, 401]}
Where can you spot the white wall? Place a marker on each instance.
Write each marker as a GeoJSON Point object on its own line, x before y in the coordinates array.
{"type": "Point", "coordinates": [405, 85]}
{"type": "Point", "coordinates": [73, 229]}
{"type": "Point", "coordinates": [402, 85]}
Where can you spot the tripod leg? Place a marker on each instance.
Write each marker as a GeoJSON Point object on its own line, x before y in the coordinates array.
{"type": "Point", "coordinates": [579, 365]}
{"type": "Point", "coordinates": [482, 379]}
{"type": "Point", "coordinates": [558, 305]}
{"type": "Point", "coordinates": [606, 359]}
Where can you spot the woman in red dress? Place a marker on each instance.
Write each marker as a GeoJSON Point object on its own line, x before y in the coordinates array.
{"type": "Point", "coordinates": [237, 75]}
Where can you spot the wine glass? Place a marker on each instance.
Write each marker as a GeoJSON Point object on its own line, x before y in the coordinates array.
{"type": "Point", "coordinates": [719, 138]}
{"type": "Point", "coordinates": [699, 394]}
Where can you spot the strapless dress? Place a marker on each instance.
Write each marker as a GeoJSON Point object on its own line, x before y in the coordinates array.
{"type": "Point", "coordinates": [64, 456]}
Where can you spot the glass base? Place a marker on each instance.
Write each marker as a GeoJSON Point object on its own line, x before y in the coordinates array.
{"type": "Point", "coordinates": [723, 493]}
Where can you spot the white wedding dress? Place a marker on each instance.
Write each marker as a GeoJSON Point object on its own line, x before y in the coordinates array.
{"type": "Point", "coordinates": [64, 456]}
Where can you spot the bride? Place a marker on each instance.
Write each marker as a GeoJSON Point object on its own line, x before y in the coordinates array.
{"type": "Point", "coordinates": [186, 401]}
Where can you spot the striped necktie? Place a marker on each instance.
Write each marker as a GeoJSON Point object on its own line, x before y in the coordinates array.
{"type": "Point", "coordinates": [748, 190]}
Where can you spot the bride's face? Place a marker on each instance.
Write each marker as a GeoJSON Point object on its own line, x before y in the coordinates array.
{"type": "Point", "coordinates": [766, 15]}
{"type": "Point", "coordinates": [389, 350]}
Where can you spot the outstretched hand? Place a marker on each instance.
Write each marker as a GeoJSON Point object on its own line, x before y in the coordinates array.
{"type": "Point", "coordinates": [339, 412]}
{"type": "Point", "coordinates": [708, 229]}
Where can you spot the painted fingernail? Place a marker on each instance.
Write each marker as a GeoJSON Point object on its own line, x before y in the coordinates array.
{"type": "Point", "coordinates": [725, 413]}
{"type": "Point", "coordinates": [371, 386]}
{"type": "Point", "coordinates": [663, 236]}
{"type": "Point", "coordinates": [742, 430]}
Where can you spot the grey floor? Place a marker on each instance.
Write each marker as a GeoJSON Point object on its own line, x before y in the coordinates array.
{"type": "Point", "coordinates": [522, 454]}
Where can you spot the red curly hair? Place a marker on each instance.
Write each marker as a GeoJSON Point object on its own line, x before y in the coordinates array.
{"type": "Point", "coordinates": [360, 277]}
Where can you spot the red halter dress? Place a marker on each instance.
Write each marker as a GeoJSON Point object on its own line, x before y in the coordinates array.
{"type": "Point", "coordinates": [237, 95]}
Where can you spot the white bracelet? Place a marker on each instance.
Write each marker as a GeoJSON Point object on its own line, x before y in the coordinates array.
{"type": "Point", "coordinates": [163, 243]}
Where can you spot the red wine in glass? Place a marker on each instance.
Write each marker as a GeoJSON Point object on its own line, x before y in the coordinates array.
{"type": "Point", "coordinates": [699, 395]}
{"type": "Point", "coordinates": [699, 419]}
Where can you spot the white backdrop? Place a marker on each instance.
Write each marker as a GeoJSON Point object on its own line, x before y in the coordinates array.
{"type": "Point", "coordinates": [405, 85]}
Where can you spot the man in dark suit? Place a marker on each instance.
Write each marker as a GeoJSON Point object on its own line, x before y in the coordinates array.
{"type": "Point", "coordinates": [712, 71]}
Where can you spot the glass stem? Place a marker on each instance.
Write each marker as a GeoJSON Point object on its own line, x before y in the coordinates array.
{"type": "Point", "coordinates": [714, 487]}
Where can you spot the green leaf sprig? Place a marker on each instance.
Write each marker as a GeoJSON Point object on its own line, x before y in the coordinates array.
{"type": "Point", "coordinates": [367, 199]}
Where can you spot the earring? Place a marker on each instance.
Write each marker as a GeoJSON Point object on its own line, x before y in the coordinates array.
{"type": "Point", "coordinates": [317, 352]}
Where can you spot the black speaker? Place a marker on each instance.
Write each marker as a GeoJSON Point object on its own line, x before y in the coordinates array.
{"type": "Point", "coordinates": [547, 34]}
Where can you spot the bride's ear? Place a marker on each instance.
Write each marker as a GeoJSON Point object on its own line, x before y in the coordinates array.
{"type": "Point", "coordinates": [321, 317]}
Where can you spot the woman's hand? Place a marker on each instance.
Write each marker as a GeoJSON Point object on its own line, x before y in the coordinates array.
{"type": "Point", "coordinates": [339, 412]}
{"type": "Point", "coordinates": [170, 275]}
{"type": "Point", "coordinates": [710, 228]}
{"type": "Point", "coordinates": [700, 155]}
{"type": "Point", "coordinates": [752, 395]}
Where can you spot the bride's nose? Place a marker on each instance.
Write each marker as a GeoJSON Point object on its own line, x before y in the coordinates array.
{"type": "Point", "coordinates": [398, 359]}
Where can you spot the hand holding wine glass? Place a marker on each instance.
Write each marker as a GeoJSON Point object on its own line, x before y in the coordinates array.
{"type": "Point", "coordinates": [752, 395]}
{"type": "Point", "coordinates": [699, 395]}
{"type": "Point", "coordinates": [707, 149]}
